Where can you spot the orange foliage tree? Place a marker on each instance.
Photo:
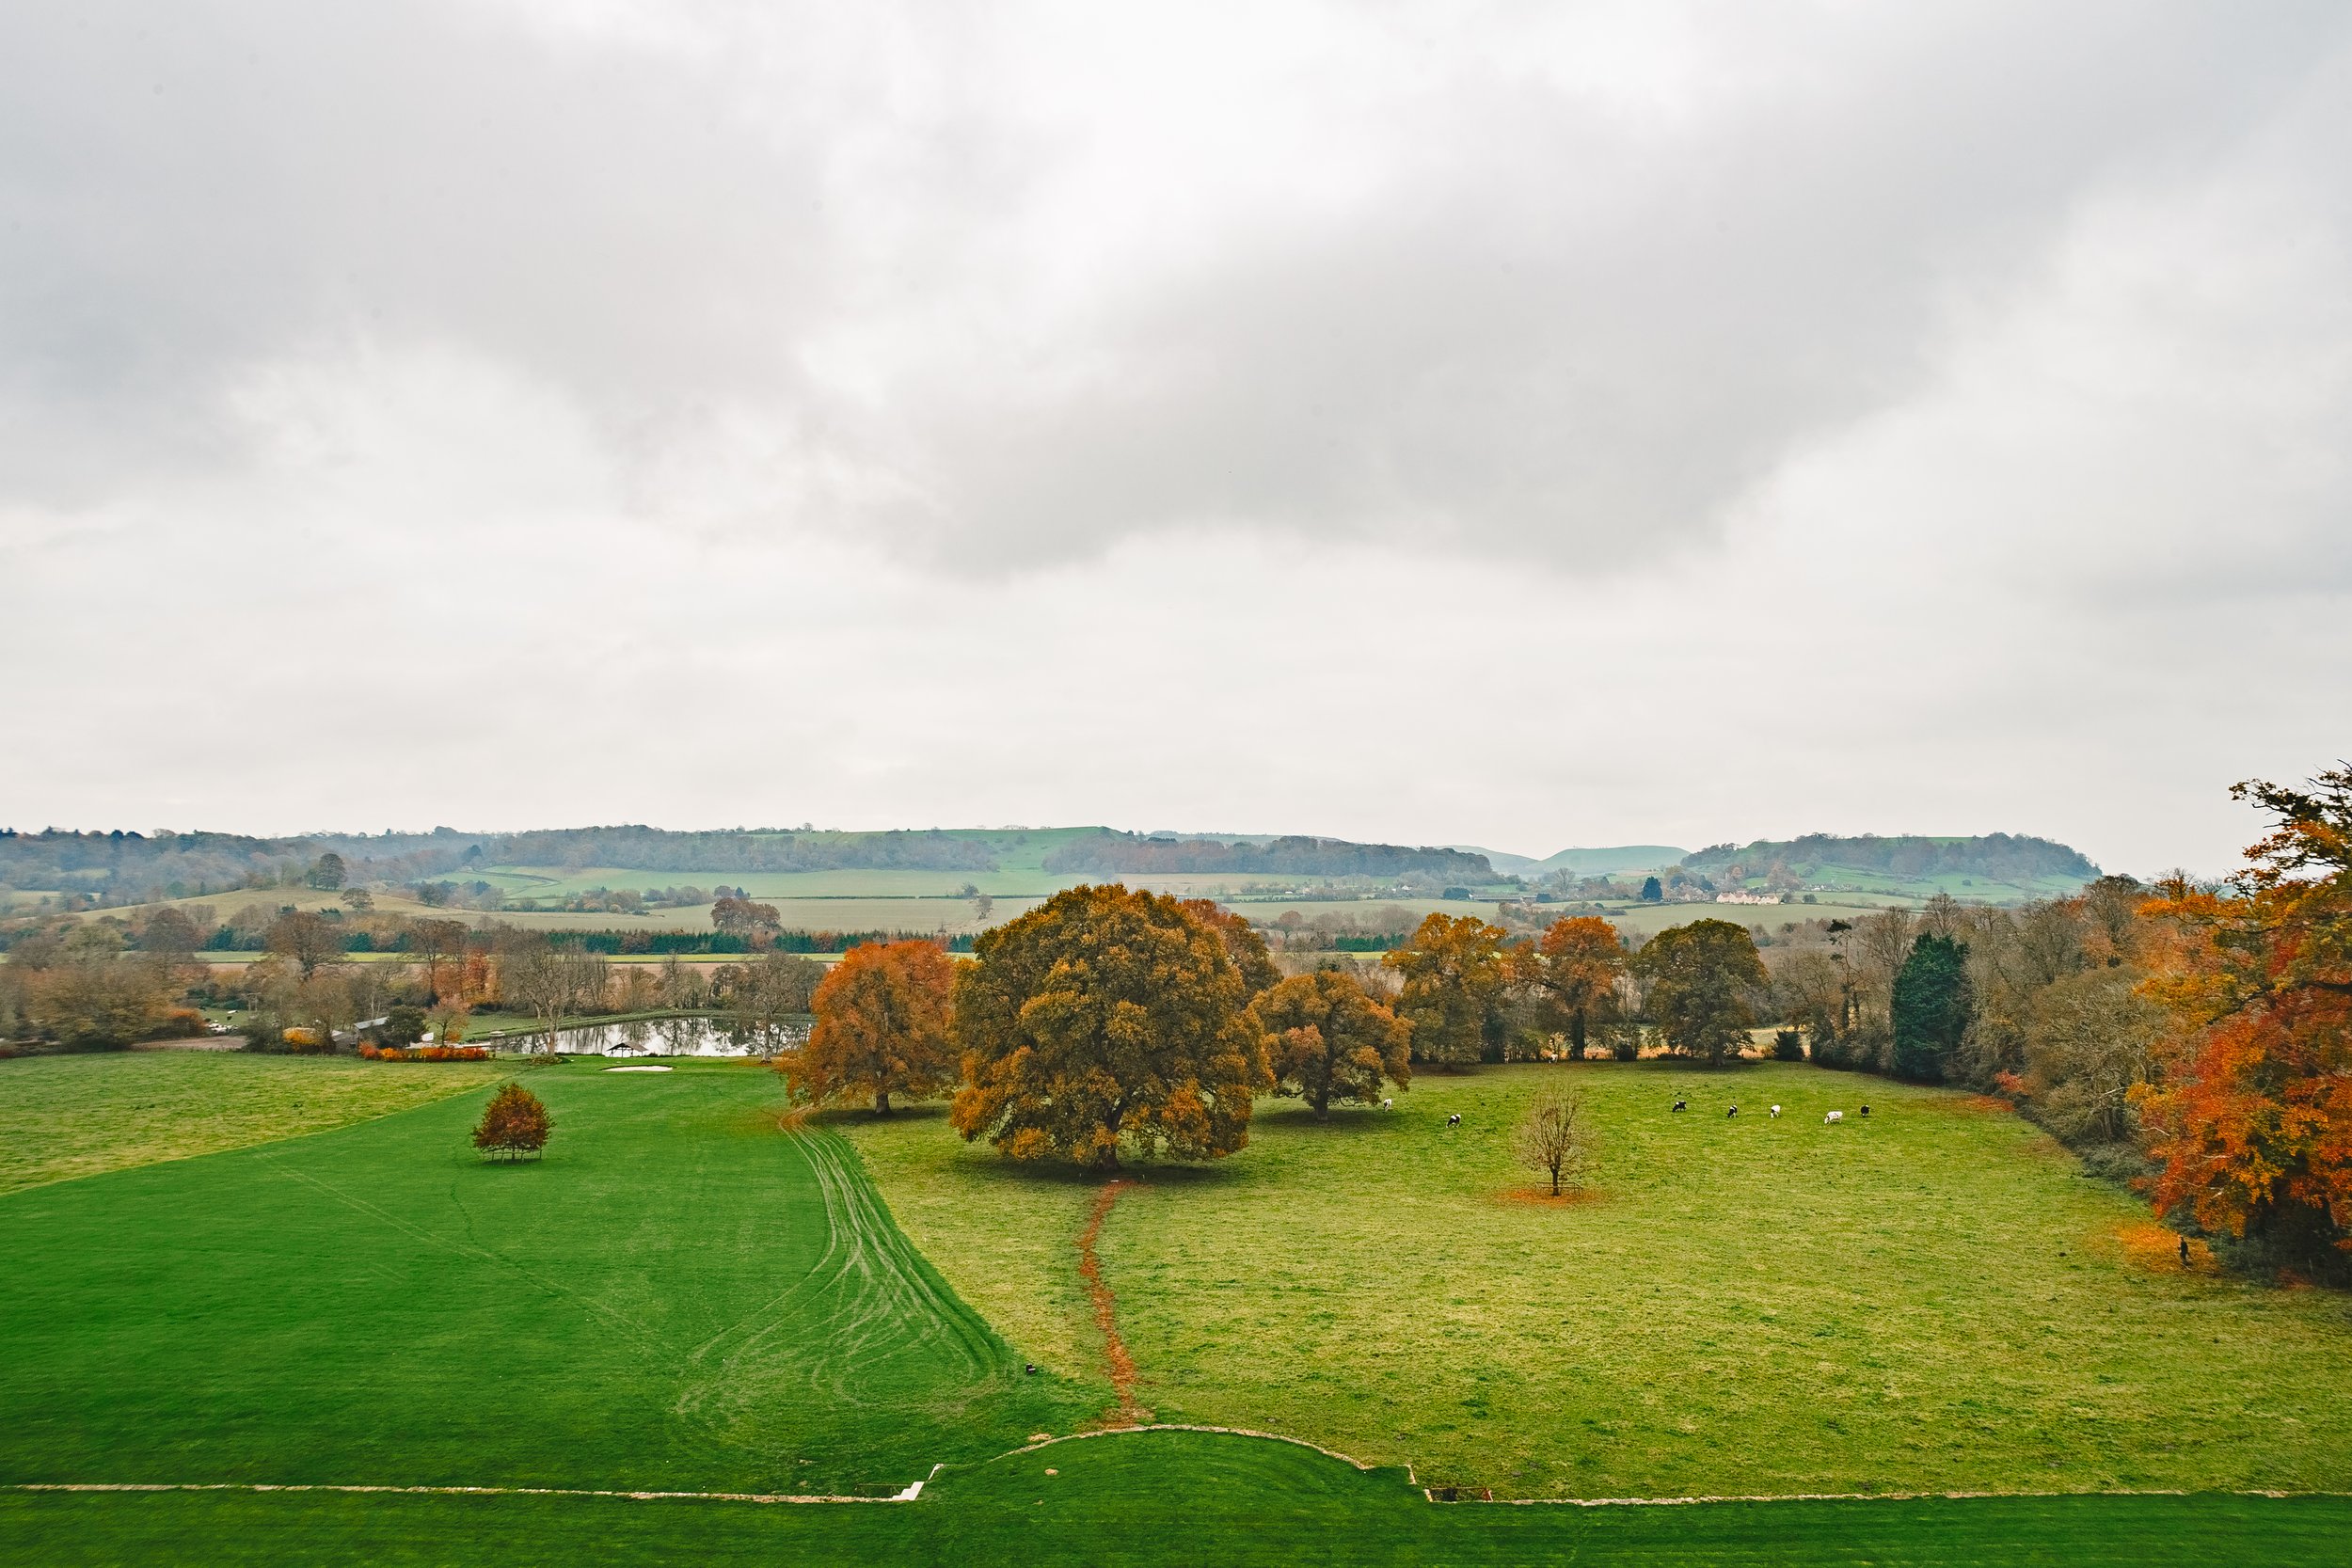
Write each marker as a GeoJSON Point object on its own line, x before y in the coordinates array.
{"type": "Point", "coordinates": [1457, 975]}
{"type": "Point", "coordinates": [1326, 1039]}
{"type": "Point", "coordinates": [514, 1124]}
{"type": "Point", "coordinates": [2250, 1122]}
{"type": "Point", "coordinates": [1105, 1018]}
{"type": "Point", "coordinates": [881, 1027]}
{"type": "Point", "coordinates": [1574, 968]}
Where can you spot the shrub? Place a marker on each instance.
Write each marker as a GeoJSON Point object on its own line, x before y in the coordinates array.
{"type": "Point", "coordinates": [514, 1124]}
{"type": "Point", "coordinates": [1788, 1046]}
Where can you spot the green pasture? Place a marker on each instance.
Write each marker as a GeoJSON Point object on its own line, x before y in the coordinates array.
{"type": "Point", "coordinates": [63, 1116]}
{"type": "Point", "coordinates": [1935, 1299]}
{"type": "Point", "coordinates": [1148, 1499]}
{"type": "Point", "coordinates": [683, 1296]}
{"type": "Point", "coordinates": [679, 1296]}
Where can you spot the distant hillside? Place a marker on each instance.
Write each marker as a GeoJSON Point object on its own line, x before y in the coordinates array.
{"type": "Point", "coordinates": [1132, 853]}
{"type": "Point", "coordinates": [132, 864]}
{"type": "Point", "coordinates": [1581, 862]}
{"type": "Point", "coordinates": [1995, 856]}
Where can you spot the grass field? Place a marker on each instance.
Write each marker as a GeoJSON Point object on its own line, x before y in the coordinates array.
{"type": "Point", "coordinates": [677, 1296]}
{"type": "Point", "coordinates": [64, 1116]}
{"type": "Point", "coordinates": [1156, 1498]}
{"type": "Point", "coordinates": [1933, 1300]}
{"type": "Point", "coordinates": [684, 1296]}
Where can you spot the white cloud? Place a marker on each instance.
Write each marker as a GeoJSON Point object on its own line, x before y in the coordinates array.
{"type": "Point", "coordinates": [1528, 426]}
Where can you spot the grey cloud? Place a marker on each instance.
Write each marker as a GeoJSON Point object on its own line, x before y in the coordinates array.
{"type": "Point", "coordinates": [1548, 330]}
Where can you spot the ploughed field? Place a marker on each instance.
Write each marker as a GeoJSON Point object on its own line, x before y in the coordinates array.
{"type": "Point", "coordinates": [684, 1297]}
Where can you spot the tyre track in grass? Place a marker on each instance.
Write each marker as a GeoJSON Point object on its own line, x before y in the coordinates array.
{"type": "Point", "coordinates": [866, 1312]}
{"type": "Point", "coordinates": [1126, 1410]}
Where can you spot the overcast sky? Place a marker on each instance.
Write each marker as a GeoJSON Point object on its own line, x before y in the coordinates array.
{"type": "Point", "coordinates": [1525, 426]}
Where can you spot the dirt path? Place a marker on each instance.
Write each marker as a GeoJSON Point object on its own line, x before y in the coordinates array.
{"type": "Point", "coordinates": [1125, 1411]}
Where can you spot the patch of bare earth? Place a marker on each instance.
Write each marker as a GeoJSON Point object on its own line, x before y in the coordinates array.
{"type": "Point", "coordinates": [1126, 1410]}
{"type": "Point", "coordinates": [1544, 1197]}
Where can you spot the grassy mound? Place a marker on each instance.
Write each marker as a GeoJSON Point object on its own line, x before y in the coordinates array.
{"type": "Point", "coordinates": [677, 1296]}
{"type": "Point", "coordinates": [1150, 1498]}
{"type": "Point", "coordinates": [1933, 1300]}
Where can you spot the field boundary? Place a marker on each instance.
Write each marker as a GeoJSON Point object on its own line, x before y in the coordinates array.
{"type": "Point", "coordinates": [911, 1493]}
{"type": "Point", "coordinates": [1430, 1492]}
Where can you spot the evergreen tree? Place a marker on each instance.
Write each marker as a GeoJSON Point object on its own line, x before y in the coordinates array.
{"type": "Point", "coordinates": [1930, 1008]}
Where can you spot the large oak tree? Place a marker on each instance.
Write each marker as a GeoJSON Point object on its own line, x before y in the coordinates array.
{"type": "Point", "coordinates": [1326, 1039]}
{"type": "Point", "coordinates": [881, 1027]}
{"type": "Point", "coordinates": [1106, 1019]}
{"type": "Point", "coordinates": [1699, 979]}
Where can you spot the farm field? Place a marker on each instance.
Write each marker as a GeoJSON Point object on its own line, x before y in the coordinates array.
{"type": "Point", "coordinates": [679, 1296]}
{"type": "Point", "coordinates": [1147, 1500]}
{"type": "Point", "coordinates": [65, 1116]}
{"type": "Point", "coordinates": [684, 1296]}
{"type": "Point", "coordinates": [1935, 1299]}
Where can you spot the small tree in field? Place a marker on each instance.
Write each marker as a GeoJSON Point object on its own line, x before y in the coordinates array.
{"type": "Point", "coordinates": [514, 1124]}
{"type": "Point", "coordinates": [1556, 1137]}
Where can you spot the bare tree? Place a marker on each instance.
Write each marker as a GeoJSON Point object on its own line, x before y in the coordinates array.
{"type": "Point", "coordinates": [1556, 1136]}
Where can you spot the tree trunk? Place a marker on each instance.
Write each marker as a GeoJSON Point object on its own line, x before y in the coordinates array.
{"type": "Point", "coordinates": [881, 1103]}
{"type": "Point", "coordinates": [1323, 1103]}
{"type": "Point", "coordinates": [1575, 1034]}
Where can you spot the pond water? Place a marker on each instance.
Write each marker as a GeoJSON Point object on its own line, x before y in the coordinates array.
{"type": "Point", "coordinates": [667, 1037]}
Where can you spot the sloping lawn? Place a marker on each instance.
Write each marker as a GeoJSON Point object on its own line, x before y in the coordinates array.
{"type": "Point", "coordinates": [64, 1116]}
{"type": "Point", "coordinates": [679, 1296]}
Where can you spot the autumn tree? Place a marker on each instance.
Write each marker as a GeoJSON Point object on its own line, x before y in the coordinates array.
{"type": "Point", "coordinates": [1106, 1019]}
{"type": "Point", "coordinates": [441, 943]}
{"type": "Point", "coordinates": [553, 982]}
{"type": "Point", "coordinates": [171, 936]}
{"type": "Point", "coordinates": [1698, 983]}
{"type": "Point", "coordinates": [881, 1027]}
{"type": "Point", "coordinates": [1929, 1010]}
{"type": "Point", "coordinates": [1573, 970]}
{"type": "Point", "coordinates": [306, 938]}
{"type": "Point", "coordinates": [514, 1124]}
{"type": "Point", "coordinates": [1456, 971]}
{"type": "Point", "coordinates": [1243, 945]}
{"type": "Point", "coordinates": [737, 917]}
{"type": "Point", "coordinates": [1556, 1136]}
{"type": "Point", "coordinates": [1326, 1039]}
{"type": "Point", "coordinates": [765, 995]}
{"type": "Point", "coordinates": [2251, 1126]}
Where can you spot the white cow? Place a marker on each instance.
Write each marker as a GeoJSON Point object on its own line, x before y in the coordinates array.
{"type": "Point", "coordinates": [1834, 1115]}
{"type": "Point", "coordinates": [1776, 1111]}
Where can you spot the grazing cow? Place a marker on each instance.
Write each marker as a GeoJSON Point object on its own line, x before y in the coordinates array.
{"type": "Point", "coordinates": [1834, 1115]}
{"type": "Point", "coordinates": [1733, 1112]}
{"type": "Point", "coordinates": [1775, 1113]}
{"type": "Point", "coordinates": [1865, 1110]}
{"type": "Point", "coordinates": [1454, 1120]}
{"type": "Point", "coordinates": [1388, 1104]}
{"type": "Point", "coordinates": [1680, 1105]}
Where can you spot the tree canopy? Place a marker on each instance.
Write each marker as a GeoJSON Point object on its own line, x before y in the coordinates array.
{"type": "Point", "coordinates": [1456, 971]}
{"type": "Point", "coordinates": [1698, 980]}
{"type": "Point", "coordinates": [1106, 1019]}
{"type": "Point", "coordinates": [2251, 1126]}
{"type": "Point", "coordinates": [1931, 1007]}
{"type": "Point", "coordinates": [881, 1027]}
{"type": "Point", "coordinates": [1573, 969]}
{"type": "Point", "coordinates": [1326, 1039]}
{"type": "Point", "coordinates": [514, 1124]}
